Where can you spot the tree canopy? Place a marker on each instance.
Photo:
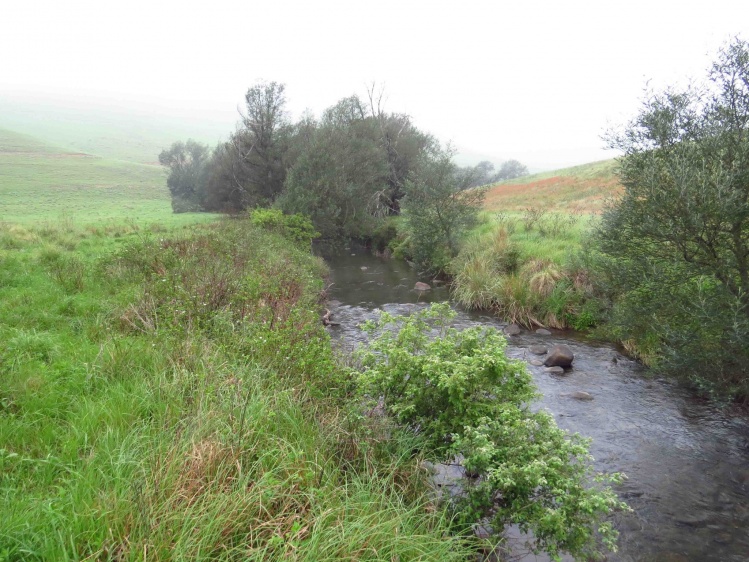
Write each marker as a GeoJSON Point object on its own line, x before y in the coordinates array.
{"type": "Point", "coordinates": [677, 242]}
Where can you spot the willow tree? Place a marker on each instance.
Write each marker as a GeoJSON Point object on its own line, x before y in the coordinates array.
{"type": "Point", "coordinates": [677, 241]}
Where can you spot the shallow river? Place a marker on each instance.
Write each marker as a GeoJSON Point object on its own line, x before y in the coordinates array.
{"type": "Point", "coordinates": [687, 462]}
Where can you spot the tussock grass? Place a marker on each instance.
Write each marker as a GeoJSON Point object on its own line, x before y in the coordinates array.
{"type": "Point", "coordinates": [517, 264]}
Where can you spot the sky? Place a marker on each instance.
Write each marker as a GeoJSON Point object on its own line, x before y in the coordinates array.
{"type": "Point", "coordinates": [539, 81]}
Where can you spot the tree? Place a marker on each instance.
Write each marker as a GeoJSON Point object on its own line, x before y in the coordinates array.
{"type": "Point", "coordinates": [403, 144]}
{"type": "Point", "coordinates": [188, 174]}
{"type": "Point", "coordinates": [676, 245]}
{"type": "Point", "coordinates": [478, 175]}
{"type": "Point", "coordinates": [265, 127]}
{"type": "Point", "coordinates": [438, 209]}
{"type": "Point", "coordinates": [339, 174]}
{"type": "Point", "coordinates": [510, 169]}
{"type": "Point", "coordinates": [250, 168]}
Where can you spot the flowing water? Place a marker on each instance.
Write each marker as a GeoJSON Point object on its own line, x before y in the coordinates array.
{"type": "Point", "coordinates": [687, 462]}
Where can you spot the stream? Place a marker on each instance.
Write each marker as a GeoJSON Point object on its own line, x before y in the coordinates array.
{"type": "Point", "coordinates": [686, 461]}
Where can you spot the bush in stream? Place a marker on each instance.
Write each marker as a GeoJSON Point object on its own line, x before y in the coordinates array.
{"type": "Point", "coordinates": [462, 396]}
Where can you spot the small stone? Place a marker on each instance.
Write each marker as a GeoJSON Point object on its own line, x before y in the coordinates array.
{"type": "Point", "coordinates": [560, 356]}
{"type": "Point", "coordinates": [543, 332]}
{"type": "Point", "coordinates": [419, 286]}
{"type": "Point", "coordinates": [581, 395]}
{"type": "Point", "coordinates": [512, 330]}
{"type": "Point", "coordinates": [536, 362]}
{"type": "Point", "coordinates": [538, 349]}
{"type": "Point", "coordinates": [364, 268]}
{"type": "Point", "coordinates": [554, 370]}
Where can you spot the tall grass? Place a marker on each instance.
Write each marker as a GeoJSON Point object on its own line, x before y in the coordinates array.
{"type": "Point", "coordinates": [173, 395]}
{"type": "Point", "coordinates": [519, 265]}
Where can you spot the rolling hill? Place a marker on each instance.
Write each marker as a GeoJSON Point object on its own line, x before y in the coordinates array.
{"type": "Point", "coordinates": [580, 188]}
{"type": "Point", "coordinates": [40, 180]}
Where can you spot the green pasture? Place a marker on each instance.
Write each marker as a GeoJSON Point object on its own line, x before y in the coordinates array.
{"type": "Point", "coordinates": [43, 182]}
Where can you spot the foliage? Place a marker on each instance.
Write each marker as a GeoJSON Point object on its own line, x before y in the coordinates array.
{"type": "Point", "coordinates": [249, 169]}
{"type": "Point", "coordinates": [346, 171]}
{"type": "Point", "coordinates": [297, 228]}
{"type": "Point", "coordinates": [187, 163]}
{"type": "Point", "coordinates": [438, 211]}
{"type": "Point", "coordinates": [463, 396]}
{"type": "Point", "coordinates": [509, 170]}
{"type": "Point", "coordinates": [349, 170]}
{"type": "Point", "coordinates": [522, 282]}
{"type": "Point", "coordinates": [536, 476]}
{"type": "Point", "coordinates": [676, 245]}
{"type": "Point", "coordinates": [339, 174]}
{"type": "Point", "coordinates": [439, 384]}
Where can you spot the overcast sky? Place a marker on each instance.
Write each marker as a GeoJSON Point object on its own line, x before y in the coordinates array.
{"type": "Point", "coordinates": [535, 80]}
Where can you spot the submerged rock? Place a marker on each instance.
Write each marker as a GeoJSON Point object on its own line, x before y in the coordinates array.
{"type": "Point", "coordinates": [581, 395]}
{"type": "Point", "coordinates": [560, 356]}
{"type": "Point", "coordinates": [543, 332]}
{"type": "Point", "coordinates": [512, 330]}
{"type": "Point", "coordinates": [536, 362]}
{"type": "Point", "coordinates": [538, 349]}
{"type": "Point", "coordinates": [421, 286]}
{"type": "Point", "coordinates": [554, 370]}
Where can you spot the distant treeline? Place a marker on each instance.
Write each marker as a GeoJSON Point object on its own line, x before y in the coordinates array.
{"type": "Point", "coordinates": [345, 170]}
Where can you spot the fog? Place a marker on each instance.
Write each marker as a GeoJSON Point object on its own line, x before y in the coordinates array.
{"type": "Point", "coordinates": [537, 81]}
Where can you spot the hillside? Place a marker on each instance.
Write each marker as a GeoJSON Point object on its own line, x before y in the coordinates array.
{"type": "Point", "coordinates": [580, 188]}
{"type": "Point", "coordinates": [109, 131]}
{"type": "Point", "coordinates": [40, 180]}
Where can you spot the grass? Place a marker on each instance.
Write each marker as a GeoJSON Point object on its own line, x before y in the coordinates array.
{"type": "Point", "coordinates": [105, 130]}
{"type": "Point", "coordinates": [520, 261]}
{"type": "Point", "coordinates": [581, 189]}
{"type": "Point", "coordinates": [40, 181]}
{"type": "Point", "coordinates": [167, 390]}
{"type": "Point", "coordinates": [173, 395]}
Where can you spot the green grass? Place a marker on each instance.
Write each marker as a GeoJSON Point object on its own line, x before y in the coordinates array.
{"type": "Point", "coordinates": [40, 181]}
{"type": "Point", "coordinates": [523, 266]}
{"type": "Point", "coordinates": [109, 131]}
{"type": "Point", "coordinates": [173, 395]}
{"type": "Point", "coordinates": [603, 169]}
{"type": "Point", "coordinates": [521, 260]}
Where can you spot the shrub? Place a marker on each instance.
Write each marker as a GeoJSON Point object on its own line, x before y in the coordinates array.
{"type": "Point", "coordinates": [297, 228]}
{"type": "Point", "coordinates": [463, 397]}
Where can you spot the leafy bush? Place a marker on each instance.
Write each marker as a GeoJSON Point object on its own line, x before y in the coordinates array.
{"type": "Point", "coordinates": [385, 234]}
{"type": "Point", "coordinates": [463, 397]}
{"type": "Point", "coordinates": [439, 384]}
{"type": "Point", "coordinates": [297, 228]}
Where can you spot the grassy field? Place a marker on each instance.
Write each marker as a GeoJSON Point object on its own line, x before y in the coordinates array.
{"type": "Point", "coordinates": [173, 396]}
{"type": "Point", "coordinates": [41, 181]}
{"type": "Point", "coordinates": [581, 189]}
{"type": "Point", "coordinates": [168, 392]}
{"type": "Point", "coordinates": [108, 130]}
